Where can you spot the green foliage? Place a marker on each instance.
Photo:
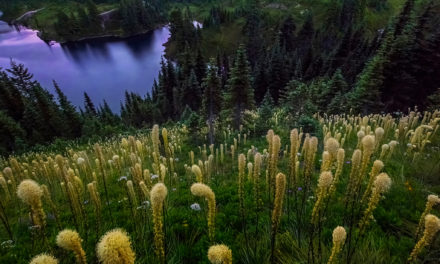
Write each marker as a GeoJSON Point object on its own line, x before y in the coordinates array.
{"type": "Point", "coordinates": [212, 98]}
{"type": "Point", "coordinates": [239, 95]}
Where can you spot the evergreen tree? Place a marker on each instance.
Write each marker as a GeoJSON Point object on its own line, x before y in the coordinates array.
{"type": "Point", "coordinates": [212, 98]}
{"type": "Point", "coordinates": [93, 13]}
{"type": "Point", "coordinates": [260, 82]}
{"type": "Point", "coordinates": [305, 36]}
{"type": "Point", "coordinates": [83, 19]}
{"type": "Point", "coordinates": [89, 107]}
{"type": "Point", "coordinates": [278, 76]}
{"type": "Point", "coordinates": [265, 114]}
{"type": "Point", "coordinates": [21, 77]}
{"type": "Point", "coordinates": [63, 25]}
{"type": "Point", "coordinates": [11, 99]}
{"type": "Point", "coordinates": [366, 96]}
{"type": "Point", "coordinates": [70, 116]}
{"type": "Point", "coordinates": [337, 89]}
{"type": "Point", "coordinates": [299, 100]}
{"type": "Point", "coordinates": [404, 17]}
{"type": "Point", "coordinates": [192, 92]}
{"type": "Point", "coordinates": [200, 66]}
{"type": "Point", "coordinates": [239, 95]}
{"type": "Point", "coordinates": [107, 116]}
{"type": "Point", "coordinates": [434, 101]}
{"type": "Point", "coordinates": [129, 16]}
{"type": "Point", "coordinates": [11, 132]}
{"type": "Point", "coordinates": [252, 31]}
{"type": "Point", "coordinates": [48, 115]}
{"type": "Point", "coordinates": [287, 34]}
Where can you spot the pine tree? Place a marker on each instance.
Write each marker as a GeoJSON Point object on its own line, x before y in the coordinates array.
{"type": "Point", "coordinates": [366, 96]}
{"type": "Point", "coordinates": [129, 16]}
{"type": "Point", "coordinates": [287, 34]}
{"type": "Point", "coordinates": [154, 90]}
{"type": "Point", "coordinates": [299, 99]}
{"type": "Point", "coordinates": [21, 77]}
{"type": "Point", "coordinates": [89, 107]}
{"type": "Point", "coordinates": [11, 99]}
{"type": "Point", "coordinates": [49, 116]}
{"type": "Point", "coordinates": [107, 116]}
{"type": "Point", "coordinates": [212, 98]}
{"type": "Point", "coordinates": [83, 19]}
{"type": "Point", "coordinates": [177, 29]}
{"type": "Point", "coordinates": [200, 66]}
{"type": "Point", "coordinates": [265, 114]}
{"type": "Point", "coordinates": [278, 75]}
{"type": "Point", "coordinates": [192, 92]}
{"type": "Point", "coordinates": [260, 82]}
{"type": "Point", "coordinates": [305, 36]}
{"type": "Point", "coordinates": [404, 17]}
{"type": "Point", "coordinates": [337, 89]}
{"type": "Point", "coordinates": [252, 31]}
{"type": "Point", "coordinates": [11, 132]}
{"type": "Point", "coordinates": [70, 116]}
{"type": "Point", "coordinates": [93, 13]}
{"type": "Point", "coordinates": [63, 26]}
{"type": "Point", "coordinates": [240, 94]}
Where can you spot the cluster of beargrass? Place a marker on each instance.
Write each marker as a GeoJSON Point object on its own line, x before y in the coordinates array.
{"type": "Point", "coordinates": [155, 198]}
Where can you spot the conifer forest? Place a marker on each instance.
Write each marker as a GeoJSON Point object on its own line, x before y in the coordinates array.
{"type": "Point", "coordinates": [219, 131]}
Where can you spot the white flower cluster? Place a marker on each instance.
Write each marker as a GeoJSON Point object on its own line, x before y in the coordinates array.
{"type": "Point", "coordinates": [196, 207]}
{"type": "Point", "coordinates": [8, 244]}
{"type": "Point", "coordinates": [123, 178]}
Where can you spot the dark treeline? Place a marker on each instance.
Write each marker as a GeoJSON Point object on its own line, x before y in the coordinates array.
{"type": "Point", "coordinates": [78, 19]}
{"type": "Point", "coordinates": [30, 115]}
{"type": "Point", "coordinates": [303, 69]}
{"type": "Point", "coordinates": [132, 16]}
{"type": "Point", "coordinates": [14, 8]}
{"type": "Point", "coordinates": [295, 68]}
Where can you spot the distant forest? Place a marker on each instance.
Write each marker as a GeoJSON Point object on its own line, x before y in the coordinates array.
{"type": "Point", "coordinates": [333, 64]}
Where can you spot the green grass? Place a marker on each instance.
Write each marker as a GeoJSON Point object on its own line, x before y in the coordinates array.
{"type": "Point", "coordinates": [389, 238]}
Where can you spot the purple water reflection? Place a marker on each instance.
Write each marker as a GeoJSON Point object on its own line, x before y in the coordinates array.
{"type": "Point", "coordinates": [102, 68]}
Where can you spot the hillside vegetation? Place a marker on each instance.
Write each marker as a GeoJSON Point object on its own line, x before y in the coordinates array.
{"type": "Point", "coordinates": [290, 132]}
{"type": "Point", "coordinates": [369, 180]}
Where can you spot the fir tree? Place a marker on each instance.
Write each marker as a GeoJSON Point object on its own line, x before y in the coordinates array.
{"type": "Point", "coordinates": [107, 116]}
{"type": "Point", "coordinates": [404, 17]}
{"type": "Point", "coordinates": [278, 76]}
{"type": "Point", "coordinates": [239, 95]}
{"type": "Point", "coordinates": [287, 34]}
{"type": "Point", "coordinates": [70, 116]}
{"type": "Point", "coordinates": [89, 106]}
{"type": "Point", "coordinates": [192, 92]}
{"type": "Point", "coordinates": [21, 77]}
{"type": "Point", "coordinates": [200, 66]}
{"type": "Point", "coordinates": [212, 98]}
{"type": "Point", "coordinates": [305, 36]}
{"type": "Point", "coordinates": [11, 132]}
{"type": "Point", "coordinates": [260, 82]}
{"type": "Point", "coordinates": [93, 13]}
{"type": "Point", "coordinates": [265, 114]}
{"type": "Point", "coordinates": [11, 99]}
{"type": "Point", "coordinates": [337, 89]}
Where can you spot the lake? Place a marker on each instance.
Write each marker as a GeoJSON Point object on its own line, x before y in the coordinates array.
{"type": "Point", "coordinates": [103, 68]}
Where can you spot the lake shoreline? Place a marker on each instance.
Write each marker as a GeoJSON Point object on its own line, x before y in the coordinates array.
{"type": "Point", "coordinates": [106, 37]}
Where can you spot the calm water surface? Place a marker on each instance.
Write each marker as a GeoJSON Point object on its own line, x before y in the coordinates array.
{"type": "Point", "coordinates": [104, 69]}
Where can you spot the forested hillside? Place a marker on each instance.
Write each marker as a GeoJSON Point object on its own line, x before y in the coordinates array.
{"type": "Point", "coordinates": [77, 20]}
